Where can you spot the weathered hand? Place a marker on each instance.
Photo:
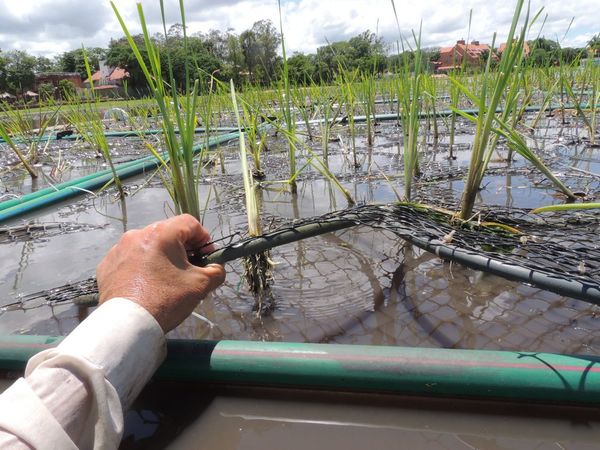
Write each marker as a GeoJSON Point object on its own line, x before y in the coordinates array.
{"type": "Point", "coordinates": [150, 267]}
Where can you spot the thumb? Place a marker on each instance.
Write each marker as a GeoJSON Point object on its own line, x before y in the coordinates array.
{"type": "Point", "coordinates": [215, 274]}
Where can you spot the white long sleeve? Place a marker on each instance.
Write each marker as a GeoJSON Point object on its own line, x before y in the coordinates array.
{"type": "Point", "coordinates": [74, 395]}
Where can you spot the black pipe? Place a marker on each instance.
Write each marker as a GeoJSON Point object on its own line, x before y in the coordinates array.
{"type": "Point", "coordinates": [578, 289]}
{"type": "Point", "coordinates": [254, 245]}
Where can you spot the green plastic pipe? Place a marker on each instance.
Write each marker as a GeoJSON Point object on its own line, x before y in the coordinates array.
{"type": "Point", "coordinates": [448, 112]}
{"type": "Point", "coordinates": [111, 134]}
{"type": "Point", "coordinates": [475, 374]}
{"type": "Point", "coordinates": [90, 183]}
{"type": "Point", "coordinates": [40, 193]}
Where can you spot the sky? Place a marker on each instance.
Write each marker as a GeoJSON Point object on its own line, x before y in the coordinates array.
{"type": "Point", "coordinates": [50, 27]}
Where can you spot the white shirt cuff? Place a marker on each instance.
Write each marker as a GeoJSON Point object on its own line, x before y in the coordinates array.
{"type": "Point", "coordinates": [121, 338]}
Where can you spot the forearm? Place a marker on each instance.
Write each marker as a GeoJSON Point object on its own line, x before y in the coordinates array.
{"type": "Point", "coordinates": [88, 380]}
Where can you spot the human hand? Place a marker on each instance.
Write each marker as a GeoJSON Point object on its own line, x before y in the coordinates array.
{"type": "Point", "coordinates": [151, 267]}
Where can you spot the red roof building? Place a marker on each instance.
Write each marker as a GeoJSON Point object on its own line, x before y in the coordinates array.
{"type": "Point", "coordinates": [526, 49]}
{"type": "Point", "coordinates": [471, 55]}
{"type": "Point", "coordinates": [108, 76]}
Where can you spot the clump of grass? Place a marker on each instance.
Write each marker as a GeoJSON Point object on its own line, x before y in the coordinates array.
{"type": "Point", "coordinates": [17, 127]}
{"type": "Point", "coordinates": [347, 82]}
{"type": "Point", "coordinates": [88, 123]}
{"type": "Point", "coordinates": [255, 132]}
{"type": "Point", "coordinates": [493, 88]}
{"type": "Point", "coordinates": [290, 122]}
{"type": "Point", "coordinates": [178, 112]}
{"type": "Point", "coordinates": [430, 89]}
{"type": "Point", "coordinates": [454, 100]}
{"type": "Point", "coordinates": [258, 267]}
{"type": "Point", "coordinates": [410, 88]}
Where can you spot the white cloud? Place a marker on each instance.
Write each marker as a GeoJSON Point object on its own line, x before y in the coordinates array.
{"type": "Point", "coordinates": [47, 27]}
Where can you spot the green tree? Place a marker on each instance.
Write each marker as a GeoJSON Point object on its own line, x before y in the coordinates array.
{"type": "Point", "coordinates": [46, 91]}
{"type": "Point", "coordinates": [540, 57]}
{"type": "Point", "coordinates": [193, 59]}
{"type": "Point", "coordinates": [544, 52]}
{"type": "Point", "coordinates": [331, 59]}
{"type": "Point", "coordinates": [19, 71]}
{"type": "Point", "coordinates": [73, 61]}
{"type": "Point", "coordinates": [594, 45]}
{"type": "Point", "coordinates": [301, 68]}
{"type": "Point", "coordinates": [3, 74]}
{"type": "Point", "coordinates": [121, 55]}
{"type": "Point", "coordinates": [259, 46]}
{"type": "Point", "coordinates": [66, 89]}
{"type": "Point", "coordinates": [546, 44]}
{"type": "Point", "coordinates": [568, 54]}
{"type": "Point", "coordinates": [43, 64]}
{"type": "Point", "coordinates": [366, 52]}
{"type": "Point", "coordinates": [225, 46]}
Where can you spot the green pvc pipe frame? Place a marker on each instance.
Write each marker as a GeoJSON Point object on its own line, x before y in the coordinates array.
{"type": "Point", "coordinates": [448, 113]}
{"type": "Point", "coordinates": [48, 196]}
{"type": "Point", "coordinates": [473, 374]}
{"type": "Point", "coordinates": [113, 134]}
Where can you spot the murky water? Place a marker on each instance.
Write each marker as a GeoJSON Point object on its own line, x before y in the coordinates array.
{"type": "Point", "coordinates": [272, 420]}
{"type": "Point", "coordinates": [358, 286]}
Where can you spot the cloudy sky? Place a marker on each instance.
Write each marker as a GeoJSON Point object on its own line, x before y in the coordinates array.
{"type": "Point", "coordinates": [49, 27]}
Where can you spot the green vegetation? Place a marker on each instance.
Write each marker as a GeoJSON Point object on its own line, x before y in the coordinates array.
{"type": "Point", "coordinates": [308, 99]}
{"type": "Point", "coordinates": [178, 112]}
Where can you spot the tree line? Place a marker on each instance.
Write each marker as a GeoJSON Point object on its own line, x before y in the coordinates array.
{"type": "Point", "coordinates": [249, 57]}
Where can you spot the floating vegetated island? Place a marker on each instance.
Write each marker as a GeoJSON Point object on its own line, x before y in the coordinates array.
{"type": "Point", "coordinates": [368, 194]}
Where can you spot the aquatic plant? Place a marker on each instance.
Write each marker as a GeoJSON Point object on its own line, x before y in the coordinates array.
{"type": "Point", "coordinates": [488, 122]}
{"type": "Point", "coordinates": [17, 127]}
{"type": "Point", "coordinates": [410, 87]}
{"type": "Point", "coordinates": [368, 91]}
{"type": "Point", "coordinates": [430, 91]}
{"type": "Point", "coordinates": [454, 100]}
{"type": "Point", "coordinates": [288, 118]}
{"type": "Point", "coordinates": [347, 80]}
{"type": "Point", "coordinates": [257, 267]}
{"type": "Point", "coordinates": [178, 113]}
{"type": "Point", "coordinates": [13, 146]}
{"type": "Point", "coordinates": [566, 207]}
{"type": "Point", "coordinates": [254, 129]}
{"type": "Point", "coordinates": [88, 123]}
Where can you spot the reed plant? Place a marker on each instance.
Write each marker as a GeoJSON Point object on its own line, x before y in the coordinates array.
{"type": "Point", "coordinates": [177, 111]}
{"type": "Point", "coordinates": [304, 105]}
{"type": "Point", "coordinates": [593, 102]}
{"type": "Point", "coordinates": [454, 105]}
{"type": "Point", "coordinates": [325, 101]}
{"type": "Point", "coordinates": [347, 82]}
{"type": "Point", "coordinates": [257, 267]}
{"type": "Point", "coordinates": [85, 118]}
{"type": "Point", "coordinates": [491, 92]}
{"type": "Point", "coordinates": [254, 130]}
{"type": "Point", "coordinates": [368, 93]}
{"type": "Point", "coordinates": [19, 127]}
{"type": "Point", "coordinates": [430, 91]}
{"type": "Point", "coordinates": [288, 117]}
{"type": "Point", "coordinates": [575, 100]}
{"type": "Point", "coordinates": [410, 92]}
{"type": "Point", "coordinates": [5, 135]}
